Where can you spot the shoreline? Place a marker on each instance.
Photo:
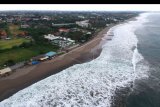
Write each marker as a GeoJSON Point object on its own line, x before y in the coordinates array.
{"type": "Point", "coordinates": [27, 76]}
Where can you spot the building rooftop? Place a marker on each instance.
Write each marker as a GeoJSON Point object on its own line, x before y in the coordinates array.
{"type": "Point", "coordinates": [5, 70]}
{"type": "Point", "coordinates": [51, 53]}
{"type": "Point", "coordinates": [63, 30]}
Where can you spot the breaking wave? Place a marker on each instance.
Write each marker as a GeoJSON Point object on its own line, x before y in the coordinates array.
{"type": "Point", "coordinates": [93, 83]}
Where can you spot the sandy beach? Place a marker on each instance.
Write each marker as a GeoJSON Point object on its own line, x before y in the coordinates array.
{"type": "Point", "coordinates": [26, 76]}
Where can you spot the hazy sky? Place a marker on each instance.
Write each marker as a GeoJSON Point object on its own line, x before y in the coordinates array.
{"type": "Point", "coordinates": [83, 7]}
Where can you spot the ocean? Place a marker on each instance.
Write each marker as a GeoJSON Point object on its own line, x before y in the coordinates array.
{"type": "Point", "coordinates": [146, 92]}
{"type": "Point", "coordinates": [130, 60]}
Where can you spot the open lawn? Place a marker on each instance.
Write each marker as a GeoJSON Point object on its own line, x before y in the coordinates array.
{"type": "Point", "coordinates": [6, 44]}
{"type": "Point", "coordinates": [14, 29]}
{"type": "Point", "coordinates": [21, 54]}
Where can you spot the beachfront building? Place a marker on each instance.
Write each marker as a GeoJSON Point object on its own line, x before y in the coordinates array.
{"type": "Point", "coordinates": [5, 71]}
{"type": "Point", "coordinates": [83, 23]}
{"type": "Point", "coordinates": [60, 41]}
{"type": "Point", "coordinates": [63, 42]}
{"type": "Point", "coordinates": [37, 58]}
{"type": "Point", "coordinates": [50, 54]}
{"type": "Point", "coordinates": [43, 57]}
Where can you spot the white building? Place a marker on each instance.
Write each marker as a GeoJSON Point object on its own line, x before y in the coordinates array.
{"type": "Point", "coordinates": [89, 33]}
{"type": "Point", "coordinates": [24, 26]}
{"type": "Point", "coordinates": [5, 71]}
{"type": "Point", "coordinates": [50, 37]}
{"type": "Point", "coordinates": [83, 23]}
{"type": "Point", "coordinates": [61, 41]}
{"type": "Point", "coordinates": [81, 17]}
{"type": "Point", "coordinates": [46, 18]}
{"type": "Point", "coordinates": [10, 20]}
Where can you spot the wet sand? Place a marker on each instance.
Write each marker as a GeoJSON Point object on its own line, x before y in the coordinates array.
{"type": "Point", "coordinates": [23, 77]}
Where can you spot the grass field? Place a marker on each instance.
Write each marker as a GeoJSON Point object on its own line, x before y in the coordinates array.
{"type": "Point", "coordinates": [6, 44]}
{"type": "Point", "coordinates": [14, 29]}
{"type": "Point", "coordinates": [21, 54]}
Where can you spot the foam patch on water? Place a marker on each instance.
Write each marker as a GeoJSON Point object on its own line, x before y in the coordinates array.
{"type": "Point", "coordinates": [93, 83]}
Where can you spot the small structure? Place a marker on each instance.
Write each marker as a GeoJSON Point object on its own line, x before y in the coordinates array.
{"type": "Point", "coordinates": [50, 54]}
{"type": "Point", "coordinates": [35, 62]}
{"type": "Point", "coordinates": [24, 26]}
{"type": "Point", "coordinates": [37, 58]}
{"type": "Point", "coordinates": [50, 37]}
{"type": "Point", "coordinates": [63, 30]}
{"type": "Point", "coordinates": [3, 34]}
{"type": "Point", "coordinates": [5, 71]}
{"type": "Point", "coordinates": [46, 18]}
{"type": "Point", "coordinates": [44, 58]}
{"type": "Point", "coordinates": [22, 34]}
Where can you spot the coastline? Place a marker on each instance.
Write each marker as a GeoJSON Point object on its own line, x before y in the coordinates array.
{"type": "Point", "coordinates": [122, 93]}
{"type": "Point", "coordinates": [29, 75]}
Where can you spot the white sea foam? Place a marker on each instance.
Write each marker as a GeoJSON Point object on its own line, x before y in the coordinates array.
{"type": "Point", "coordinates": [93, 83]}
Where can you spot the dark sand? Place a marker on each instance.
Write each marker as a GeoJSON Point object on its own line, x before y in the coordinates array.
{"type": "Point", "coordinates": [26, 76]}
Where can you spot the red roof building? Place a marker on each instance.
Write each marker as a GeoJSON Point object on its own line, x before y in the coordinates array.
{"type": "Point", "coordinates": [3, 33]}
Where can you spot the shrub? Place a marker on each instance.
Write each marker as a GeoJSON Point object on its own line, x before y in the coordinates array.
{"type": "Point", "coordinates": [26, 44]}
{"type": "Point", "coordinates": [9, 62]}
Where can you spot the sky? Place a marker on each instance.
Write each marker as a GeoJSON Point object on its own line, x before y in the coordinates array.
{"type": "Point", "coordinates": [82, 7]}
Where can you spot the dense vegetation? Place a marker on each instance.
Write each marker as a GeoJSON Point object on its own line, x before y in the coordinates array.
{"type": "Point", "coordinates": [21, 49]}
{"type": "Point", "coordinates": [7, 44]}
